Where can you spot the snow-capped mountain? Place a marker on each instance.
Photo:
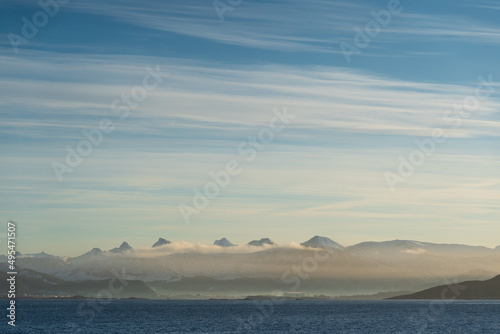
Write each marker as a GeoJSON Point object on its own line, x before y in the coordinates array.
{"type": "Point", "coordinates": [261, 242]}
{"type": "Point", "coordinates": [318, 242]}
{"type": "Point", "coordinates": [38, 255]}
{"type": "Point", "coordinates": [161, 242]}
{"type": "Point", "coordinates": [393, 248]}
{"type": "Point", "coordinates": [223, 243]}
{"type": "Point", "coordinates": [95, 252]}
{"type": "Point", "coordinates": [124, 247]}
{"type": "Point", "coordinates": [42, 262]}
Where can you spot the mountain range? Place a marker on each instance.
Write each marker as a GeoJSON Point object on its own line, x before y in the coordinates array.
{"type": "Point", "coordinates": [316, 266]}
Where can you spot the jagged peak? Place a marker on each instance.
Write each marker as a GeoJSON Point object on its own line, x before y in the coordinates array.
{"type": "Point", "coordinates": [224, 242]}
{"type": "Point", "coordinates": [95, 251]}
{"type": "Point", "coordinates": [124, 247]}
{"type": "Point", "coordinates": [161, 242]}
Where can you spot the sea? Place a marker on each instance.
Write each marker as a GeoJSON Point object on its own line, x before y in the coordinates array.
{"type": "Point", "coordinates": [245, 316]}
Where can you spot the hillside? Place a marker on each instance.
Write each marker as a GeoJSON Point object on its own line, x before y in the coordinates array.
{"type": "Point", "coordinates": [489, 289]}
{"type": "Point", "coordinates": [32, 283]}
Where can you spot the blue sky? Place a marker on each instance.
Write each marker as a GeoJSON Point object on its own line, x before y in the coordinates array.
{"type": "Point", "coordinates": [220, 82]}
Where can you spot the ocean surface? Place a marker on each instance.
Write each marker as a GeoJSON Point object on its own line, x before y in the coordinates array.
{"type": "Point", "coordinates": [225, 316]}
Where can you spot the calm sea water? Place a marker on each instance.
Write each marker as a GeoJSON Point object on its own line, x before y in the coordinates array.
{"type": "Point", "coordinates": [144, 316]}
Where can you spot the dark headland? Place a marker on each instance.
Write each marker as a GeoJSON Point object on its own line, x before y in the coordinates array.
{"type": "Point", "coordinates": [489, 289]}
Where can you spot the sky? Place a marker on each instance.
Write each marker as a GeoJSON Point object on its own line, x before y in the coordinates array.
{"type": "Point", "coordinates": [356, 120]}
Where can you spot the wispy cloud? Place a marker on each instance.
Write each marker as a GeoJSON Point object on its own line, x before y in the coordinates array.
{"type": "Point", "coordinates": [314, 26]}
{"type": "Point", "coordinates": [323, 175]}
{"type": "Point", "coordinates": [213, 97]}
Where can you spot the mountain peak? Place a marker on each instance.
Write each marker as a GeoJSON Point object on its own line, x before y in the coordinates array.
{"type": "Point", "coordinates": [161, 242]}
{"type": "Point", "coordinates": [261, 242]}
{"type": "Point", "coordinates": [223, 243]}
{"type": "Point", "coordinates": [95, 251]}
{"type": "Point", "coordinates": [318, 242]}
{"type": "Point", "coordinates": [124, 247]}
{"type": "Point", "coordinates": [89, 255]}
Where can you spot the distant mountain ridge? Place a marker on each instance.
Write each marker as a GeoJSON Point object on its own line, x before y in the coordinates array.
{"type": "Point", "coordinates": [261, 242]}
{"type": "Point", "coordinates": [371, 247]}
{"type": "Point", "coordinates": [407, 247]}
{"type": "Point", "coordinates": [32, 283]}
{"type": "Point", "coordinates": [36, 255]}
